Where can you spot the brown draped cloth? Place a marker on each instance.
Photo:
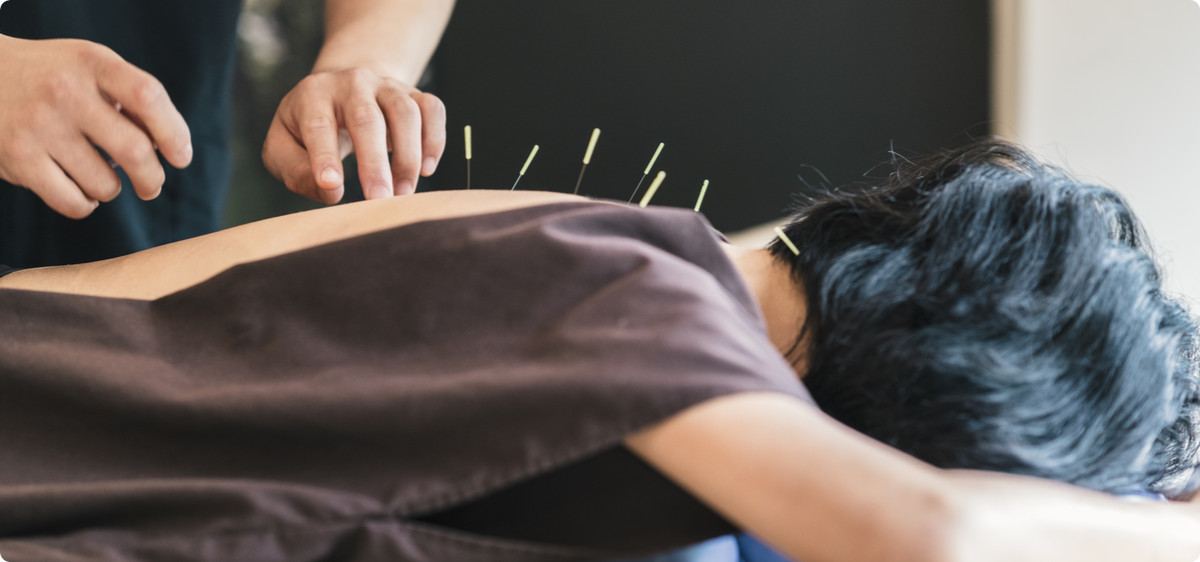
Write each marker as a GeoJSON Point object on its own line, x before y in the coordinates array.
{"type": "Point", "coordinates": [450, 390]}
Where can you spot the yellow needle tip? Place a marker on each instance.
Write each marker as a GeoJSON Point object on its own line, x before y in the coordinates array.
{"type": "Point", "coordinates": [699, 200]}
{"type": "Point", "coordinates": [653, 188]}
{"type": "Point", "coordinates": [529, 160]}
{"type": "Point", "coordinates": [787, 241]}
{"type": "Point", "coordinates": [587, 157]}
{"type": "Point", "coordinates": [653, 158]}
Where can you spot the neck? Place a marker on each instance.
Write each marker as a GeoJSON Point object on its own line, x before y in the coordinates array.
{"type": "Point", "coordinates": [780, 298]}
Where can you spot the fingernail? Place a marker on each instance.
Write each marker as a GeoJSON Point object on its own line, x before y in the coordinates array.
{"type": "Point", "coordinates": [187, 153]}
{"type": "Point", "coordinates": [428, 165]}
{"type": "Point", "coordinates": [405, 187]}
{"type": "Point", "coordinates": [330, 178]}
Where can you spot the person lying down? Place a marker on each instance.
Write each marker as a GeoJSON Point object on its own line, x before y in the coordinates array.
{"type": "Point", "coordinates": [966, 362]}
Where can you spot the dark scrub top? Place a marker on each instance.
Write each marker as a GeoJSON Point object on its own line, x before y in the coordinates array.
{"type": "Point", "coordinates": [451, 390]}
{"type": "Point", "coordinates": [189, 46]}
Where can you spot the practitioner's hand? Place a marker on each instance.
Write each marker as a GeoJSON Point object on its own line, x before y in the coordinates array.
{"type": "Point", "coordinates": [306, 143]}
{"type": "Point", "coordinates": [60, 100]}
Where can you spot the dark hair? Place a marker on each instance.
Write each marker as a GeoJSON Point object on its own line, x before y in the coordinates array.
{"type": "Point", "coordinates": [980, 309]}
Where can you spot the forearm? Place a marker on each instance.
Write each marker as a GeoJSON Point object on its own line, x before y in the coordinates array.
{"type": "Point", "coordinates": [1009, 517]}
{"type": "Point", "coordinates": [392, 37]}
{"type": "Point", "coordinates": [812, 488]}
{"type": "Point", "coordinates": [823, 493]}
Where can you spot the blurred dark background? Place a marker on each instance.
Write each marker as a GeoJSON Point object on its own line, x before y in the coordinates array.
{"type": "Point", "coordinates": [763, 98]}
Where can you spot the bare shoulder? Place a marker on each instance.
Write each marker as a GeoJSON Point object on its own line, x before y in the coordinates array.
{"type": "Point", "coordinates": [159, 271]}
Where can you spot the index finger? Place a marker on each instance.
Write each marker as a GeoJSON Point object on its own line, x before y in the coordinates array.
{"type": "Point", "coordinates": [145, 99]}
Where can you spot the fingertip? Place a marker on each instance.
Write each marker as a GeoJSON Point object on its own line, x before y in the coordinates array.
{"type": "Point", "coordinates": [377, 180]}
{"type": "Point", "coordinates": [330, 196]}
{"type": "Point", "coordinates": [305, 185]}
{"type": "Point", "coordinates": [377, 192]}
{"type": "Point", "coordinates": [92, 205]}
{"type": "Point", "coordinates": [185, 156]}
{"type": "Point", "coordinates": [329, 179]}
{"type": "Point", "coordinates": [111, 193]}
{"type": "Point", "coordinates": [405, 187]}
{"type": "Point", "coordinates": [79, 212]}
{"type": "Point", "coordinates": [150, 196]}
{"type": "Point", "coordinates": [428, 166]}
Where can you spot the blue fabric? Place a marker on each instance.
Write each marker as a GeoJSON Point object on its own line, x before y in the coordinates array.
{"type": "Point", "coordinates": [739, 548]}
{"type": "Point", "coordinates": [753, 550]}
{"type": "Point", "coordinates": [721, 549]}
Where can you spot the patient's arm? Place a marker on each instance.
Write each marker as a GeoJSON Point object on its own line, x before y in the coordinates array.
{"type": "Point", "coordinates": [821, 492]}
{"type": "Point", "coordinates": [163, 270]}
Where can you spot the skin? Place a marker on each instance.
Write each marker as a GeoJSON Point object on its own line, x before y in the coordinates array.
{"type": "Point", "coordinates": [362, 84]}
{"type": "Point", "coordinates": [773, 465]}
{"type": "Point", "coordinates": [63, 99]}
{"type": "Point", "coordinates": [163, 270]}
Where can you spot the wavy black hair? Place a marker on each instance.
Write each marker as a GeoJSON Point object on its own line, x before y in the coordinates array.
{"type": "Point", "coordinates": [980, 309]}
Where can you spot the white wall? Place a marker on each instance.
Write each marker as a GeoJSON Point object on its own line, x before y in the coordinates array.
{"type": "Point", "coordinates": [1111, 89]}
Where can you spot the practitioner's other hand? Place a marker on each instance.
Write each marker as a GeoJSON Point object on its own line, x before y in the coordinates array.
{"type": "Point", "coordinates": [60, 100]}
{"type": "Point", "coordinates": [306, 142]}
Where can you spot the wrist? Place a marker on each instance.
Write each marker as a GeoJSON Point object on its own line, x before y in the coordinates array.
{"type": "Point", "coordinates": [382, 69]}
{"type": "Point", "coordinates": [338, 55]}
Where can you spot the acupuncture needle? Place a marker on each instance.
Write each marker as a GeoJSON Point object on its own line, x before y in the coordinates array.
{"type": "Point", "coordinates": [467, 138]}
{"type": "Point", "coordinates": [647, 172]}
{"type": "Point", "coordinates": [525, 167]}
{"type": "Point", "coordinates": [787, 241]}
{"type": "Point", "coordinates": [703, 190]}
{"type": "Point", "coordinates": [587, 159]}
{"type": "Point", "coordinates": [652, 189]}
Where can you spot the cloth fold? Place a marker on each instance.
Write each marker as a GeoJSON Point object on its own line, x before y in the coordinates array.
{"type": "Point", "coordinates": [320, 401]}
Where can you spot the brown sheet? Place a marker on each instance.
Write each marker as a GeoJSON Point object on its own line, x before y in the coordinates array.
{"type": "Point", "coordinates": [313, 406]}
